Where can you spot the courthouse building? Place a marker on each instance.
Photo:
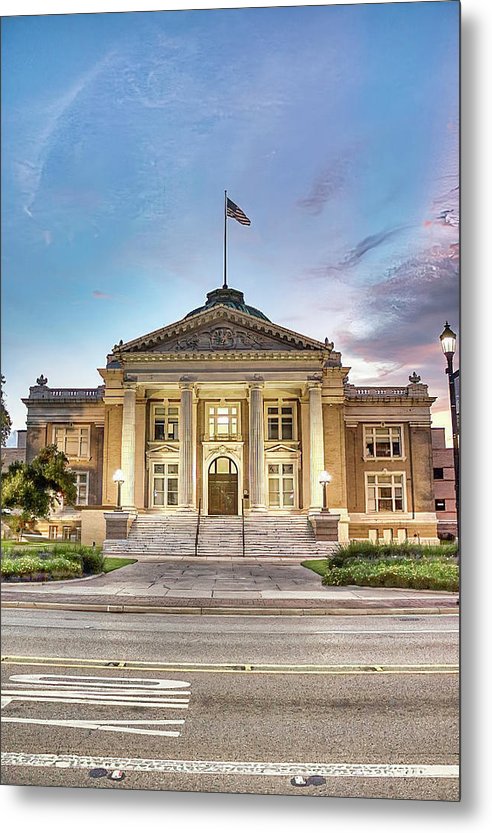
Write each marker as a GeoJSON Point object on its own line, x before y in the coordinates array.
{"type": "Point", "coordinates": [225, 413]}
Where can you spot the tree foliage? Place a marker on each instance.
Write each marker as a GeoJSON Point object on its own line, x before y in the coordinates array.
{"type": "Point", "coordinates": [5, 421]}
{"type": "Point", "coordinates": [33, 489]}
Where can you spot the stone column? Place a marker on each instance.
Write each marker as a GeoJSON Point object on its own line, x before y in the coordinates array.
{"type": "Point", "coordinates": [186, 461]}
{"type": "Point", "coordinates": [316, 445]}
{"type": "Point", "coordinates": [128, 449]}
{"type": "Point", "coordinates": [256, 448]}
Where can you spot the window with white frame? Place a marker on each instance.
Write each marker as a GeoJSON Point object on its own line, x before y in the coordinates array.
{"type": "Point", "coordinates": [280, 422]}
{"type": "Point", "coordinates": [165, 484]}
{"type": "Point", "coordinates": [165, 422]}
{"type": "Point", "coordinates": [382, 442]}
{"type": "Point", "coordinates": [385, 492]}
{"type": "Point", "coordinates": [281, 491]}
{"type": "Point", "coordinates": [82, 486]}
{"type": "Point", "coordinates": [223, 421]}
{"type": "Point", "coordinates": [73, 440]}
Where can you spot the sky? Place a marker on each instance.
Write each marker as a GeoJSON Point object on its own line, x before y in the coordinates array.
{"type": "Point", "coordinates": [335, 128]}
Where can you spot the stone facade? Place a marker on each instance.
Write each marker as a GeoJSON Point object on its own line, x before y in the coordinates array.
{"type": "Point", "coordinates": [224, 412]}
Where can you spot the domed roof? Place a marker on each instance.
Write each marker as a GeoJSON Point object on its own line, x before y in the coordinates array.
{"type": "Point", "coordinates": [230, 298]}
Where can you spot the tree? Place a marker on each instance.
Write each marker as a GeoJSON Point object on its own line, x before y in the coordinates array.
{"type": "Point", "coordinates": [5, 421]}
{"type": "Point", "coordinates": [33, 489]}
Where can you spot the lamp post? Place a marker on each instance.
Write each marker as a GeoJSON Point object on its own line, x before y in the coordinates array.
{"type": "Point", "coordinates": [324, 479]}
{"type": "Point", "coordinates": [118, 478]}
{"type": "Point", "coordinates": [448, 344]}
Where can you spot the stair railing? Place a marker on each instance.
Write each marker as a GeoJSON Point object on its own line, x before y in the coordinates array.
{"type": "Point", "coordinates": [198, 526]}
{"type": "Point", "coordinates": [242, 519]}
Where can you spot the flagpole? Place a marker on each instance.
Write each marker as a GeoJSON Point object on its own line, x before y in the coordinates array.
{"type": "Point", "coordinates": [225, 241]}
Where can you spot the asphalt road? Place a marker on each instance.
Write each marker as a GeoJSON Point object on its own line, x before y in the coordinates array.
{"type": "Point", "coordinates": [356, 719]}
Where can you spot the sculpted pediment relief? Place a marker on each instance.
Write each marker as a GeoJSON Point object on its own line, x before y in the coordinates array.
{"type": "Point", "coordinates": [222, 330]}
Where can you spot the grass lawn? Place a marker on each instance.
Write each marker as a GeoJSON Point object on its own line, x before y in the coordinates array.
{"type": "Point", "coordinates": [316, 565]}
{"type": "Point", "coordinates": [111, 564]}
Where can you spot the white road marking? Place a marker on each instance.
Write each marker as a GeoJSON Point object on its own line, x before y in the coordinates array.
{"type": "Point", "coordinates": [140, 704]}
{"type": "Point", "coordinates": [396, 632]}
{"type": "Point", "coordinates": [121, 726]}
{"type": "Point", "coordinates": [328, 770]}
{"type": "Point", "coordinates": [136, 692]}
{"type": "Point", "coordinates": [99, 682]}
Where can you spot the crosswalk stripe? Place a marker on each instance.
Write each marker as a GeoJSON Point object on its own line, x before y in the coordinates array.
{"type": "Point", "coordinates": [328, 770]}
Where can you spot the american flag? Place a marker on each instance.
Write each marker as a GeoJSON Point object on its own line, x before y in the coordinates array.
{"type": "Point", "coordinates": [237, 213]}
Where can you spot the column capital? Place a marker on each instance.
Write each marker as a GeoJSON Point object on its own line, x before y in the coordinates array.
{"type": "Point", "coordinates": [130, 385]}
{"type": "Point", "coordinates": [187, 383]}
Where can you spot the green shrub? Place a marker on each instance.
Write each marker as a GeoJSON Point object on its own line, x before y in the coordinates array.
{"type": "Point", "coordinates": [34, 566]}
{"type": "Point", "coordinates": [366, 550]}
{"type": "Point", "coordinates": [424, 574]}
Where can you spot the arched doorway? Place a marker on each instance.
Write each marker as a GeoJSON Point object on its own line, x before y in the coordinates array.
{"type": "Point", "coordinates": [222, 487]}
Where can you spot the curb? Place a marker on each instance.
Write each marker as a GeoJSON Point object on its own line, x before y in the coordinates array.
{"type": "Point", "coordinates": [234, 611]}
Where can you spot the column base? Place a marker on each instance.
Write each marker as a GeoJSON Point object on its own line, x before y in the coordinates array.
{"type": "Point", "coordinates": [258, 508]}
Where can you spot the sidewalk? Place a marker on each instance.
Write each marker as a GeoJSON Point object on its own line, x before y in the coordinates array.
{"type": "Point", "coordinates": [221, 586]}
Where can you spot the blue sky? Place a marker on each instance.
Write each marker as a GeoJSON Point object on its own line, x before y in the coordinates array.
{"type": "Point", "coordinates": [335, 128]}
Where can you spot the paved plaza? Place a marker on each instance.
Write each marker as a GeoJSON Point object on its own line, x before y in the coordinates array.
{"type": "Point", "coordinates": [251, 580]}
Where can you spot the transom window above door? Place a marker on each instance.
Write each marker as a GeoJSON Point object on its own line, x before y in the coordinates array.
{"type": "Point", "coordinates": [280, 422]}
{"type": "Point", "coordinates": [165, 422]}
{"type": "Point", "coordinates": [223, 421]}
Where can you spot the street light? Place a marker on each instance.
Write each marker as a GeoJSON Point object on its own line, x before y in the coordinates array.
{"type": "Point", "coordinates": [324, 479]}
{"type": "Point", "coordinates": [448, 344]}
{"type": "Point", "coordinates": [118, 478]}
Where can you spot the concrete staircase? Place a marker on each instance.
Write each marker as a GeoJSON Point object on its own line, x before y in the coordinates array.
{"type": "Point", "coordinates": [282, 535]}
{"type": "Point", "coordinates": [265, 535]}
{"type": "Point", "coordinates": [220, 535]}
{"type": "Point", "coordinates": [157, 535]}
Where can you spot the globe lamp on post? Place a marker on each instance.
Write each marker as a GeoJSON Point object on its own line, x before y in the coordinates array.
{"type": "Point", "coordinates": [325, 479]}
{"type": "Point", "coordinates": [119, 479]}
{"type": "Point", "coordinates": [448, 344]}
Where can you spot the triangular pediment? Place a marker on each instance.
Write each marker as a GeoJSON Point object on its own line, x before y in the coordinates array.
{"type": "Point", "coordinates": [221, 329]}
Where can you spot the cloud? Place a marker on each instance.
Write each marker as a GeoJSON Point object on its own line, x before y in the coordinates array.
{"type": "Point", "coordinates": [327, 184]}
{"type": "Point", "coordinates": [368, 243]}
{"type": "Point", "coordinates": [96, 293]}
{"type": "Point", "coordinates": [404, 313]}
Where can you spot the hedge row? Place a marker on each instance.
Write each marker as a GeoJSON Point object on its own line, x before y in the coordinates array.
{"type": "Point", "coordinates": [423, 575]}
{"type": "Point", "coordinates": [59, 561]}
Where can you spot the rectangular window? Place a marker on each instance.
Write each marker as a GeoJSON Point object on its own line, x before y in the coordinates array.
{"type": "Point", "coordinates": [82, 486]}
{"type": "Point", "coordinates": [280, 422]}
{"type": "Point", "coordinates": [440, 505]}
{"type": "Point", "coordinates": [66, 533]}
{"type": "Point", "coordinates": [385, 493]}
{"type": "Point", "coordinates": [165, 484]}
{"type": "Point", "coordinates": [281, 491]}
{"type": "Point", "coordinates": [166, 422]}
{"type": "Point", "coordinates": [223, 421]}
{"type": "Point", "coordinates": [72, 440]}
{"type": "Point", "coordinates": [438, 474]}
{"type": "Point", "coordinates": [53, 532]}
{"type": "Point", "coordinates": [382, 443]}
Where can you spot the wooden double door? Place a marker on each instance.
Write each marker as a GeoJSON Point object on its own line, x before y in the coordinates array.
{"type": "Point", "coordinates": [222, 487]}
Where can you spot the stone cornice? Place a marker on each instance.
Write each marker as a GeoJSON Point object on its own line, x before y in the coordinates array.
{"type": "Point", "coordinates": [222, 355]}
